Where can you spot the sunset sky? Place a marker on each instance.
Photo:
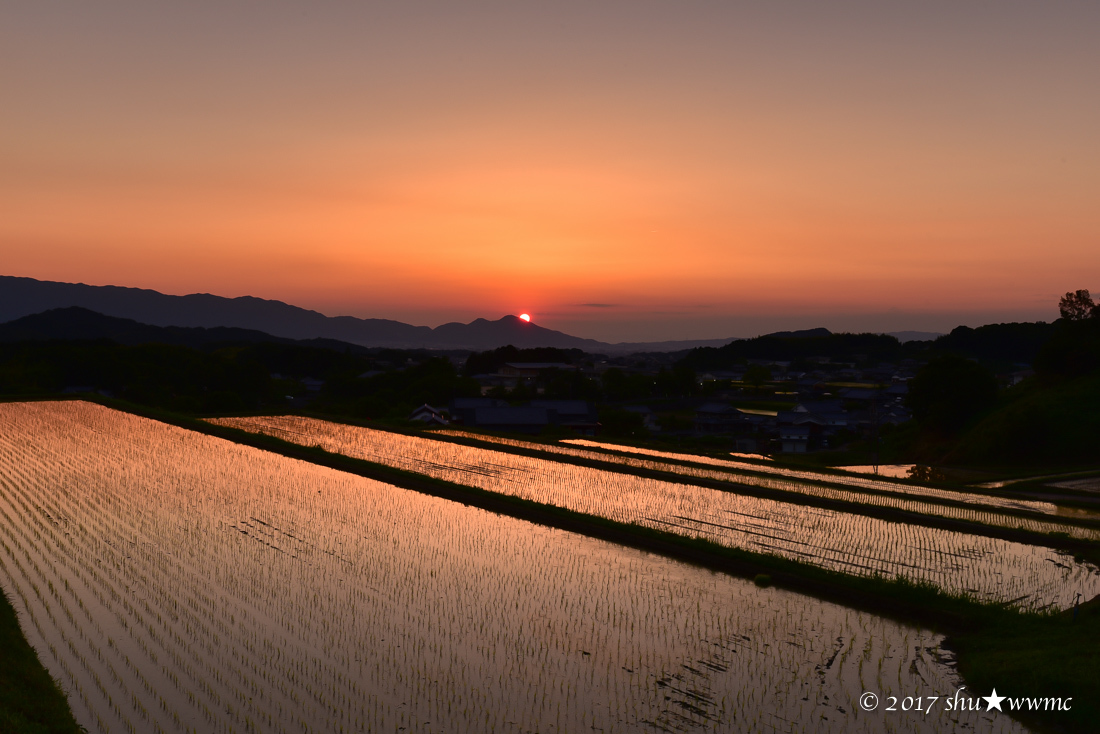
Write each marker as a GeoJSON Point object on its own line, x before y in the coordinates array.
{"type": "Point", "coordinates": [619, 170]}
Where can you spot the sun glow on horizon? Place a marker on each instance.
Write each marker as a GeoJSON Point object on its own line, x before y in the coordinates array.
{"type": "Point", "coordinates": [526, 317]}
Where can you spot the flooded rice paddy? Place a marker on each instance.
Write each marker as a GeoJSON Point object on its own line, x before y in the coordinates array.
{"type": "Point", "coordinates": [852, 481]}
{"type": "Point", "coordinates": [177, 582]}
{"type": "Point", "coordinates": [894, 471]}
{"type": "Point", "coordinates": [987, 568]}
{"type": "Point", "coordinates": [934, 502]}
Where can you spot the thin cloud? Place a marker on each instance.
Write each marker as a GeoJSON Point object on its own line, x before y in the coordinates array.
{"type": "Point", "coordinates": [598, 305]}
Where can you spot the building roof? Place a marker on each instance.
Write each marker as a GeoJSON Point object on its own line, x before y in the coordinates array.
{"type": "Point", "coordinates": [511, 416]}
{"type": "Point", "coordinates": [860, 393]}
{"type": "Point", "coordinates": [470, 403]}
{"type": "Point", "coordinates": [800, 418]}
{"type": "Point", "coordinates": [568, 410]}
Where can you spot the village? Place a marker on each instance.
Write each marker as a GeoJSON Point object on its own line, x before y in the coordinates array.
{"type": "Point", "coordinates": [767, 406]}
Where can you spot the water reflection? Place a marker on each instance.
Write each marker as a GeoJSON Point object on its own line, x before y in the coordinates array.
{"type": "Point", "coordinates": [896, 471]}
{"type": "Point", "coordinates": [987, 568]}
{"type": "Point", "coordinates": [177, 582]}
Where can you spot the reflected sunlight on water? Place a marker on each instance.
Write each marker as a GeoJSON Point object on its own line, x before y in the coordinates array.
{"type": "Point", "coordinates": [178, 582]}
{"type": "Point", "coordinates": [896, 471]}
{"type": "Point", "coordinates": [987, 568]}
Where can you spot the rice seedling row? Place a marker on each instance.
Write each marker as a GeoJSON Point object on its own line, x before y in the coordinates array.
{"type": "Point", "coordinates": [969, 512]}
{"type": "Point", "coordinates": [879, 485]}
{"type": "Point", "coordinates": [750, 473]}
{"type": "Point", "coordinates": [987, 568]}
{"type": "Point", "coordinates": [178, 582]}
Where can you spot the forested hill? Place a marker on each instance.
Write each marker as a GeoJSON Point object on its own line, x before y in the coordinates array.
{"type": "Point", "coordinates": [793, 347]}
{"type": "Point", "coordinates": [1013, 343]}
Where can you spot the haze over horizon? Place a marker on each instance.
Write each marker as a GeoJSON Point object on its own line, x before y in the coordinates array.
{"type": "Point", "coordinates": [622, 172]}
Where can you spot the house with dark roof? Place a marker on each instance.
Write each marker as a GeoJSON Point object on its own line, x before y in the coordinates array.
{"type": "Point", "coordinates": [719, 418]}
{"type": "Point", "coordinates": [577, 415]}
{"type": "Point", "coordinates": [462, 409]}
{"type": "Point", "coordinates": [497, 415]}
{"type": "Point", "coordinates": [432, 416]}
{"type": "Point", "coordinates": [518, 419]}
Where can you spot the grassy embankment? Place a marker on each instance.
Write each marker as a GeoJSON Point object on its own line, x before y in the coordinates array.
{"type": "Point", "coordinates": [1048, 429]}
{"type": "Point", "coordinates": [1021, 654]}
{"type": "Point", "coordinates": [31, 702]}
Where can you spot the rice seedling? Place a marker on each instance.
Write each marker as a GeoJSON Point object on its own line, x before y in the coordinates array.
{"type": "Point", "coordinates": [178, 582]}
{"type": "Point", "coordinates": [861, 489]}
{"type": "Point", "coordinates": [987, 568]}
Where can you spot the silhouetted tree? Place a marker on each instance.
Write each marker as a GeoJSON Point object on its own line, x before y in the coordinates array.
{"type": "Point", "coordinates": [756, 375]}
{"type": "Point", "coordinates": [1078, 306]}
{"type": "Point", "coordinates": [680, 381]}
{"type": "Point", "coordinates": [949, 392]}
{"type": "Point", "coordinates": [622, 423]}
{"type": "Point", "coordinates": [619, 386]}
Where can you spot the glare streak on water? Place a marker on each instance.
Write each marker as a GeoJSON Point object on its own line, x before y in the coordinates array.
{"type": "Point", "coordinates": [177, 582]}
{"type": "Point", "coordinates": [988, 568]}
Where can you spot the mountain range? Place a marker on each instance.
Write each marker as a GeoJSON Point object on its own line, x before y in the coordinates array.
{"type": "Point", "coordinates": [247, 319]}
{"type": "Point", "coordinates": [20, 297]}
{"type": "Point", "coordinates": [76, 323]}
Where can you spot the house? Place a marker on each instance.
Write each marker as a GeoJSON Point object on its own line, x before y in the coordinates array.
{"type": "Point", "coordinates": [800, 418]}
{"type": "Point", "coordinates": [649, 418]}
{"type": "Point", "coordinates": [498, 415]}
{"type": "Point", "coordinates": [578, 415]}
{"type": "Point", "coordinates": [462, 409]}
{"type": "Point", "coordinates": [432, 416]}
{"type": "Point", "coordinates": [794, 439]}
{"type": "Point", "coordinates": [862, 394]}
{"type": "Point", "coordinates": [718, 418]}
{"type": "Point", "coordinates": [828, 414]}
{"type": "Point", "coordinates": [523, 419]}
{"type": "Point", "coordinates": [489, 380]}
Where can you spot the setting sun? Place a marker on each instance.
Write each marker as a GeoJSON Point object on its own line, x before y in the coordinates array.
{"type": "Point", "coordinates": [526, 317]}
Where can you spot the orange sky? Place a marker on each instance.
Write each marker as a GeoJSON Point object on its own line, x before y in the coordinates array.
{"type": "Point", "coordinates": [630, 171]}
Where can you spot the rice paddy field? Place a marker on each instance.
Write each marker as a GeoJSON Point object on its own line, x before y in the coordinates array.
{"type": "Point", "coordinates": [175, 582]}
{"type": "Point", "coordinates": [745, 471]}
{"type": "Point", "coordinates": [989, 569]}
{"type": "Point", "coordinates": [981, 508]}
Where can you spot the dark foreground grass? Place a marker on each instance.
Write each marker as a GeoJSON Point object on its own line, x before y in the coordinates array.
{"type": "Point", "coordinates": [30, 700]}
{"type": "Point", "coordinates": [1037, 656]}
